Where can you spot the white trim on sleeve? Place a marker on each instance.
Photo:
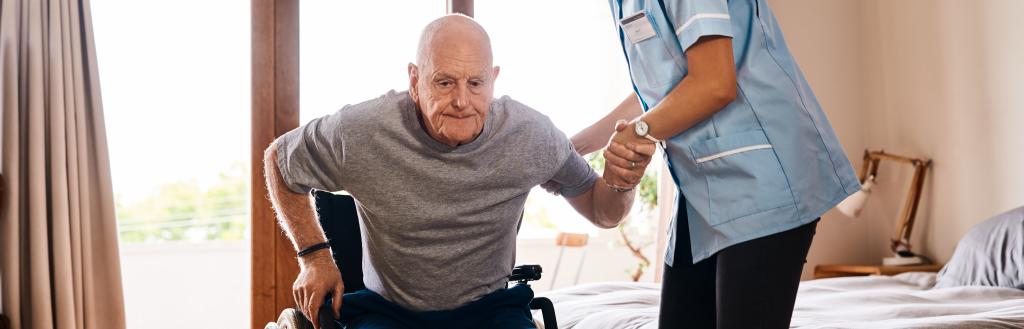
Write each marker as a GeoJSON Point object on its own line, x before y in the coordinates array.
{"type": "Point", "coordinates": [700, 16]}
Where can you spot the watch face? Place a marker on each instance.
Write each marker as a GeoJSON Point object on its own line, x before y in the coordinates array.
{"type": "Point", "coordinates": [641, 128]}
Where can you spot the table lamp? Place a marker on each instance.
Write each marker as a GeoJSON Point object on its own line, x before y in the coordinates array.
{"type": "Point", "coordinates": [900, 243]}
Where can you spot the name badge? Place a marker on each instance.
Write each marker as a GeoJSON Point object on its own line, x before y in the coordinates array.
{"type": "Point", "coordinates": [637, 27]}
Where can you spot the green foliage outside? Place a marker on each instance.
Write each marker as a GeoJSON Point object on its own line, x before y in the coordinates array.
{"type": "Point", "coordinates": [537, 214]}
{"type": "Point", "coordinates": [188, 211]}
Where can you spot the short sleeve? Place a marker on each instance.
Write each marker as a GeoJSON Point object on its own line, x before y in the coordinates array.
{"type": "Point", "coordinates": [312, 156]}
{"type": "Point", "coordinates": [693, 19]}
{"type": "Point", "coordinates": [575, 174]}
{"type": "Point", "coordinates": [546, 148]}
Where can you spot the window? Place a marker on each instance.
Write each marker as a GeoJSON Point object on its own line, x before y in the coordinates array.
{"type": "Point", "coordinates": [175, 87]}
{"type": "Point", "coordinates": [353, 53]}
{"type": "Point", "coordinates": [564, 61]}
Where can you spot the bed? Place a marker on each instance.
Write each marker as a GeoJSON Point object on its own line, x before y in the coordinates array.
{"type": "Point", "coordinates": [903, 301]}
{"type": "Point", "coordinates": [982, 286]}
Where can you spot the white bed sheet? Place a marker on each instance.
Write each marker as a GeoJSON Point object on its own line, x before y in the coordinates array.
{"type": "Point", "coordinates": [878, 302]}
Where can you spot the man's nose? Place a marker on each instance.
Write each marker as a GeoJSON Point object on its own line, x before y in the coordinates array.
{"type": "Point", "coordinates": [461, 100]}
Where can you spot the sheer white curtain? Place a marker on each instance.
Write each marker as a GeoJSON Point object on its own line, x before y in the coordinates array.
{"type": "Point", "coordinates": [58, 237]}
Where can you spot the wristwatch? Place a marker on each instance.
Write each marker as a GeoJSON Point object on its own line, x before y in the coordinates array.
{"type": "Point", "coordinates": [643, 130]}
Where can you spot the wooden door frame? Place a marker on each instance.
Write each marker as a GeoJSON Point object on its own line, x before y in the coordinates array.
{"type": "Point", "coordinates": [464, 7]}
{"type": "Point", "coordinates": [275, 111]}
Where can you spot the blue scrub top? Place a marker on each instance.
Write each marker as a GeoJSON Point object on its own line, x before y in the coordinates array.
{"type": "Point", "coordinates": [766, 163]}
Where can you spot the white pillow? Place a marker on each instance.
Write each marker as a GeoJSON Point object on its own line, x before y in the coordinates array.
{"type": "Point", "coordinates": [991, 254]}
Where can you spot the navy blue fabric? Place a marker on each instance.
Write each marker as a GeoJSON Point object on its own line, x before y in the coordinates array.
{"type": "Point", "coordinates": [503, 309]}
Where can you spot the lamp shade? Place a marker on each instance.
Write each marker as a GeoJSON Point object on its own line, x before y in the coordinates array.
{"type": "Point", "coordinates": [853, 204]}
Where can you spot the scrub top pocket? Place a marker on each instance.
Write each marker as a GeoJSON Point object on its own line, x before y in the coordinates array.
{"type": "Point", "coordinates": [744, 175]}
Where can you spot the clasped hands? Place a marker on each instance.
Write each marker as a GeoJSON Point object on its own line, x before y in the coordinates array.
{"type": "Point", "coordinates": [626, 158]}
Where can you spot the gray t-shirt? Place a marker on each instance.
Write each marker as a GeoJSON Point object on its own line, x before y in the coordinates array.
{"type": "Point", "coordinates": [439, 223]}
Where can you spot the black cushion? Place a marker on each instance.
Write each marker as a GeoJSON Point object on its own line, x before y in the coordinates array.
{"type": "Point", "coordinates": [991, 254]}
{"type": "Point", "coordinates": [340, 220]}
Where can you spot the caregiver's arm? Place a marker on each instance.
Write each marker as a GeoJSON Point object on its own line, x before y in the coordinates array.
{"type": "Point", "coordinates": [709, 85]}
{"type": "Point", "coordinates": [596, 136]}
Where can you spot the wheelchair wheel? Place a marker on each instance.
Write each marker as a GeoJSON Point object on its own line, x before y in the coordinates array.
{"type": "Point", "coordinates": [290, 319]}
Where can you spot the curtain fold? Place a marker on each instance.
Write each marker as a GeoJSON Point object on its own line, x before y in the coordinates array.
{"type": "Point", "coordinates": [59, 259]}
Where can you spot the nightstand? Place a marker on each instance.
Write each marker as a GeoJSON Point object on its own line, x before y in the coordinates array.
{"type": "Point", "coordinates": [831, 271]}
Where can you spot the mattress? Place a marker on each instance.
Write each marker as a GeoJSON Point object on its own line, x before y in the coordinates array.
{"type": "Point", "coordinates": [902, 301]}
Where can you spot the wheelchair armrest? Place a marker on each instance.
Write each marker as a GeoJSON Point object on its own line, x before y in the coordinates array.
{"type": "Point", "coordinates": [547, 310]}
{"type": "Point", "coordinates": [525, 273]}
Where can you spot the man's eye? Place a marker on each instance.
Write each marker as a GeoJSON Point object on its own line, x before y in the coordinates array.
{"type": "Point", "coordinates": [476, 83]}
{"type": "Point", "coordinates": [444, 83]}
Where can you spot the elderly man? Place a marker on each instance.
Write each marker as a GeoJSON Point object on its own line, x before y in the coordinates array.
{"type": "Point", "coordinates": [440, 174]}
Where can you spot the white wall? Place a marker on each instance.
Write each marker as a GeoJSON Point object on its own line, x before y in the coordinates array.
{"type": "Point", "coordinates": [944, 82]}
{"type": "Point", "coordinates": [929, 78]}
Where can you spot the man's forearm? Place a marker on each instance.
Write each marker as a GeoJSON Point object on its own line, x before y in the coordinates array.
{"type": "Point", "coordinates": [295, 211]}
{"type": "Point", "coordinates": [603, 206]}
{"type": "Point", "coordinates": [610, 207]}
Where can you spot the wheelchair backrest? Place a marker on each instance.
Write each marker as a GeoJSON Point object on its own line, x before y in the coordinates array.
{"type": "Point", "coordinates": [340, 221]}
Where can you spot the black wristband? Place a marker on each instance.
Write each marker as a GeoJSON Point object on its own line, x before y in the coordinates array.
{"type": "Point", "coordinates": [313, 248]}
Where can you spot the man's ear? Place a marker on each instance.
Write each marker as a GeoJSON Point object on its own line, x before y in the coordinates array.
{"type": "Point", "coordinates": [414, 76]}
{"type": "Point", "coordinates": [494, 74]}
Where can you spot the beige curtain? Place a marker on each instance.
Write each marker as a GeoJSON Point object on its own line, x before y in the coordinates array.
{"type": "Point", "coordinates": [58, 239]}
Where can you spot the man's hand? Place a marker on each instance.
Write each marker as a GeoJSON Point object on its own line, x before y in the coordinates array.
{"type": "Point", "coordinates": [626, 156]}
{"type": "Point", "coordinates": [317, 278]}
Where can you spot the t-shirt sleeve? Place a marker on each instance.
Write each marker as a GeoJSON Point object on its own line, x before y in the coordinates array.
{"type": "Point", "coordinates": [312, 156]}
{"type": "Point", "coordinates": [575, 175]}
{"type": "Point", "coordinates": [693, 19]}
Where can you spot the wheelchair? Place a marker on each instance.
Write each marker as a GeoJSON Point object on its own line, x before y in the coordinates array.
{"type": "Point", "coordinates": [340, 221]}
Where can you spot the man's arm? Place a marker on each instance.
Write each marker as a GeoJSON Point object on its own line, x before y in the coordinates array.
{"type": "Point", "coordinates": [318, 274]}
{"type": "Point", "coordinates": [601, 204]}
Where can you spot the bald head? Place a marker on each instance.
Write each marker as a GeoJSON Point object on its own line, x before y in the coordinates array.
{"type": "Point", "coordinates": [454, 32]}
{"type": "Point", "coordinates": [452, 82]}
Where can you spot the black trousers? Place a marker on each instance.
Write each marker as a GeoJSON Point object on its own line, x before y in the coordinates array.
{"type": "Point", "coordinates": [749, 285]}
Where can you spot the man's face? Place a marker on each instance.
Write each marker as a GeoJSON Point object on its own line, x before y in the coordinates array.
{"type": "Point", "coordinates": [453, 89]}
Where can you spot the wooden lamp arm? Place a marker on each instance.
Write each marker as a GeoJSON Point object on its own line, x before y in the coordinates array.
{"type": "Point", "coordinates": [909, 210]}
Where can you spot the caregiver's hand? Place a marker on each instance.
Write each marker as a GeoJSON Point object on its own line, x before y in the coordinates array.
{"type": "Point", "coordinates": [626, 156]}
